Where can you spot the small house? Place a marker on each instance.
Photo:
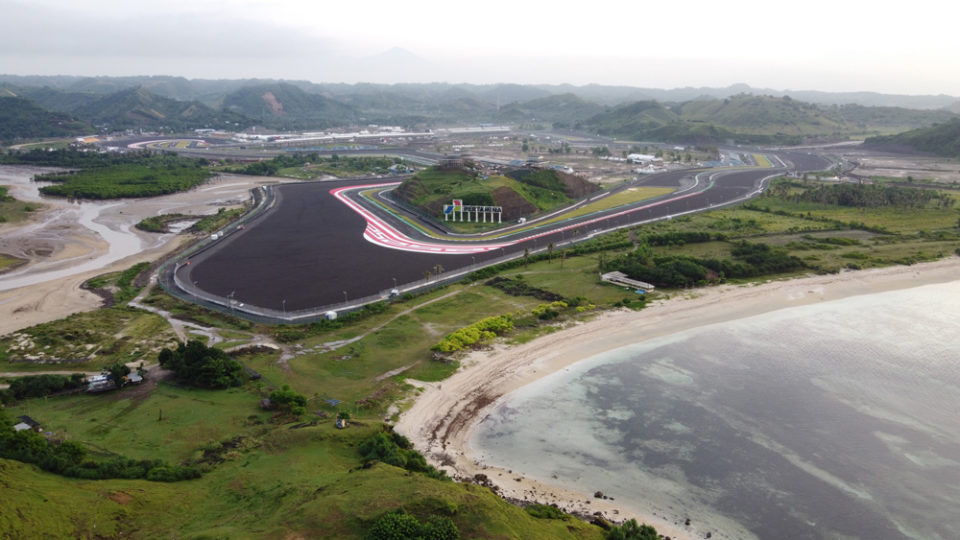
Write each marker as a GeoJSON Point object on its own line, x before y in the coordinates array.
{"type": "Point", "coordinates": [100, 383]}
{"type": "Point", "coordinates": [27, 423]}
{"type": "Point", "coordinates": [619, 278]}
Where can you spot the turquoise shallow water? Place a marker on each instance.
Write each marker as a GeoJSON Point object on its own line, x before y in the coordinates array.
{"type": "Point", "coordinates": [837, 420]}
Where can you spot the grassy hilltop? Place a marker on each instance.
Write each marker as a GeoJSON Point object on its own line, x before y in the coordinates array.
{"type": "Point", "coordinates": [521, 192]}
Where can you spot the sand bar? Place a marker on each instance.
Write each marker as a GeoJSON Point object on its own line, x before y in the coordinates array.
{"type": "Point", "coordinates": [443, 418]}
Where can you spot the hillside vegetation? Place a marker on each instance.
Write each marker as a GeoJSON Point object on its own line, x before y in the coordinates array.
{"type": "Point", "coordinates": [22, 119]}
{"type": "Point", "coordinates": [140, 108]}
{"type": "Point", "coordinates": [520, 192]}
{"type": "Point", "coordinates": [689, 115]}
{"type": "Point", "coordinates": [284, 106]}
{"type": "Point", "coordinates": [754, 119]}
{"type": "Point", "coordinates": [942, 140]}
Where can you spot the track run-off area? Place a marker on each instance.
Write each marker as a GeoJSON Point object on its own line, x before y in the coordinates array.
{"type": "Point", "coordinates": [314, 247]}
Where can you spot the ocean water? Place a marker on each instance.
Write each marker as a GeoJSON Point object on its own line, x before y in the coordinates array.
{"type": "Point", "coordinates": [836, 420]}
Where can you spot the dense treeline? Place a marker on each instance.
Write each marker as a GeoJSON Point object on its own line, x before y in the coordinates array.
{"type": "Point", "coordinates": [679, 238]}
{"type": "Point", "coordinates": [204, 367]}
{"type": "Point", "coordinates": [749, 260]}
{"type": "Point", "coordinates": [518, 287]}
{"type": "Point", "coordinates": [159, 175]}
{"type": "Point", "coordinates": [273, 166]}
{"type": "Point", "coordinates": [40, 385]}
{"type": "Point", "coordinates": [109, 175]}
{"type": "Point", "coordinates": [80, 159]}
{"type": "Point", "coordinates": [866, 196]}
{"type": "Point", "coordinates": [69, 458]}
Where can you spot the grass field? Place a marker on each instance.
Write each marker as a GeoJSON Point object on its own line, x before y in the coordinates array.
{"type": "Point", "coordinates": [14, 211]}
{"type": "Point", "coordinates": [86, 341]}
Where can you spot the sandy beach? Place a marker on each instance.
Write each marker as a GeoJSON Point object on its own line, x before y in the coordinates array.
{"type": "Point", "coordinates": [443, 417]}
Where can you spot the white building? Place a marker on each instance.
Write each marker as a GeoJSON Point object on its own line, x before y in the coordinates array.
{"type": "Point", "coordinates": [644, 159]}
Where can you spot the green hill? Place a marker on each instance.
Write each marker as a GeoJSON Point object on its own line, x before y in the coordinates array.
{"type": "Point", "coordinates": [651, 120]}
{"type": "Point", "coordinates": [520, 192]}
{"type": "Point", "coordinates": [761, 115]}
{"type": "Point", "coordinates": [755, 119]}
{"type": "Point", "coordinates": [564, 110]}
{"type": "Point", "coordinates": [140, 108]}
{"type": "Point", "coordinates": [285, 106]}
{"type": "Point", "coordinates": [942, 140]}
{"type": "Point", "coordinates": [57, 100]}
{"type": "Point", "coordinates": [884, 120]}
{"type": "Point", "coordinates": [633, 119]}
{"type": "Point", "coordinates": [20, 118]}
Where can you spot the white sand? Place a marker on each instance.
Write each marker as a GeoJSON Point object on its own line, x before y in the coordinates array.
{"type": "Point", "coordinates": [443, 417]}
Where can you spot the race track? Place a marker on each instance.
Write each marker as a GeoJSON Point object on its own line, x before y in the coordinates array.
{"type": "Point", "coordinates": [321, 243]}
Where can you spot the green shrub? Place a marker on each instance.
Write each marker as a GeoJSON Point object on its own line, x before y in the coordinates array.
{"type": "Point", "coordinates": [543, 511]}
{"type": "Point", "coordinates": [631, 530]}
{"type": "Point", "coordinates": [399, 525]}
{"type": "Point", "coordinates": [479, 332]}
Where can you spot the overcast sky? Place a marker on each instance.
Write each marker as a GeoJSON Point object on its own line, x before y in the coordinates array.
{"type": "Point", "coordinates": [838, 45]}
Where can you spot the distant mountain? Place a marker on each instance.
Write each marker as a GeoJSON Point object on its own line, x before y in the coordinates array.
{"type": "Point", "coordinates": [889, 119]}
{"type": "Point", "coordinates": [56, 99]}
{"type": "Point", "coordinates": [736, 112]}
{"type": "Point", "coordinates": [754, 119]}
{"type": "Point", "coordinates": [941, 139]}
{"type": "Point", "coordinates": [211, 91]}
{"type": "Point", "coordinates": [505, 94]}
{"type": "Point", "coordinates": [20, 118]}
{"type": "Point", "coordinates": [140, 108]}
{"type": "Point", "coordinates": [285, 106]}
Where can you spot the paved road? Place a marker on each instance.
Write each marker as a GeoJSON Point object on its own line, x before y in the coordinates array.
{"type": "Point", "coordinates": [309, 250]}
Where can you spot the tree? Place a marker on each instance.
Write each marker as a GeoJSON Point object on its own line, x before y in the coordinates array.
{"type": "Point", "coordinates": [198, 365]}
{"type": "Point", "coordinates": [289, 400]}
{"type": "Point", "coordinates": [117, 371]}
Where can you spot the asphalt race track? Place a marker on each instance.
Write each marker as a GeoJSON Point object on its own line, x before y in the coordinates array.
{"type": "Point", "coordinates": [309, 249]}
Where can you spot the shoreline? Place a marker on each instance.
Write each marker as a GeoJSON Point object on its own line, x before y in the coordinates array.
{"type": "Point", "coordinates": [444, 416]}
